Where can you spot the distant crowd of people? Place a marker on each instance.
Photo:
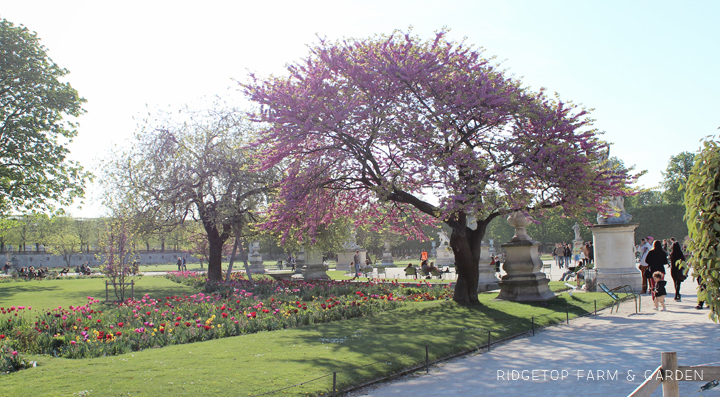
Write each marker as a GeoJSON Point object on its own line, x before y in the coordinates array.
{"type": "Point", "coordinates": [565, 254]}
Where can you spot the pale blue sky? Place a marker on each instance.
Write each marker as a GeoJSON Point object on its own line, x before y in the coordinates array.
{"type": "Point", "coordinates": [648, 68]}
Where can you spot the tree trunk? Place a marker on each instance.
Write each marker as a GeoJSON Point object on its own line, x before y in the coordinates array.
{"type": "Point", "coordinates": [232, 259]}
{"type": "Point", "coordinates": [466, 244]}
{"type": "Point", "coordinates": [215, 257]}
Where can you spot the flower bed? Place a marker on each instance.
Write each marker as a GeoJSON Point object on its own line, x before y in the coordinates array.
{"type": "Point", "coordinates": [309, 290]}
{"type": "Point", "coordinates": [94, 330]}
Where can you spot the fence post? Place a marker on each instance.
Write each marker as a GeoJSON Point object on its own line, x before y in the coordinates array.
{"type": "Point", "coordinates": [567, 315]}
{"type": "Point", "coordinates": [533, 325]}
{"type": "Point", "coordinates": [670, 385]}
{"type": "Point", "coordinates": [488, 340]}
{"type": "Point", "coordinates": [106, 291]}
{"type": "Point", "coordinates": [132, 289]}
{"type": "Point", "coordinates": [595, 301]}
{"type": "Point", "coordinates": [334, 382]}
{"type": "Point", "coordinates": [427, 360]}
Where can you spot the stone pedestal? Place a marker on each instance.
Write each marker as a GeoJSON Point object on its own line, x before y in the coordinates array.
{"type": "Point", "coordinates": [445, 257]}
{"type": "Point", "coordinates": [387, 258]}
{"type": "Point", "coordinates": [255, 262]}
{"type": "Point", "coordinates": [487, 281]}
{"type": "Point", "coordinates": [524, 281]}
{"type": "Point", "coordinates": [344, 259]}
{"type": "Point", "coordinates": [615, 255]}
{"type": "Point", "coordinates": [314, 269]}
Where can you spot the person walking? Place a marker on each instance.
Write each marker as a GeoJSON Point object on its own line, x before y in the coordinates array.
{"type": "Point", "coordinates": [659, 289]}
{"type": "Point", "coordinates": [567, 255]}
{"type": "Point", "coordinates": [677, 274]}
{"type": "Point", "coordinates": [656, 260]}
{"type": "Point", "coordinates": [643, 266]}
{"type": "Point", "coordinates": [179, 263]}
{"type": "Point", "coordinates": [559, 252]}
{"type": "Point", "coordinates": [356, 262]}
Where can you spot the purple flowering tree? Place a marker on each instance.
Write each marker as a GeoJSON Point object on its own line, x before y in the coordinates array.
{"type": "Point", "coordinates": [404, 132]}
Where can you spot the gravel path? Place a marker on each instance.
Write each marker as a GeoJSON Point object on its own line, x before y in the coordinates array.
{"type": "Point", "coordinates": [606, 355]}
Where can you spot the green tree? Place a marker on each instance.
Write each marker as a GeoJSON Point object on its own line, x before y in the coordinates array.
{"type": "Point", "coordinates": [63, 238]}
{"type": "Point", "coordinates": [35, 173]}
{"type": "Point", "coordinates": [676, 177]}
{"type": "Point", "coordinates": [6, 226]}
{"type": "Point", "coordinates": [702, 200]}
{"type": "Point", "coordinates": [196, 168]}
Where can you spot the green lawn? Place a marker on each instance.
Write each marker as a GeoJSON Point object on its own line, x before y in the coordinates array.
{"type": "Point", "coordinates": [48, 294]}
{"type": "Point", "coordinates": [256, 363]}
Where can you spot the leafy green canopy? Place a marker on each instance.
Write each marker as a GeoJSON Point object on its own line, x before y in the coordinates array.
{"type": "Point", "coordinates": [34, 171]}
{"type": "Point", "coordinates": [702, 199]}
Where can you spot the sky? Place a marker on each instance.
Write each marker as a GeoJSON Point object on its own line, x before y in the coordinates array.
{"type": "Point", "coordinates": [649, 69]}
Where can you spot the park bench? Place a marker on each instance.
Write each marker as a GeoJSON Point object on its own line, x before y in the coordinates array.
{"type": "Point", "coordinates": [410, 271]}
{"type": "Point", "coordinates": [613, 293]}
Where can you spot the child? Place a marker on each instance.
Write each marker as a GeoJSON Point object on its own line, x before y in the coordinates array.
{"type": "Point", "coordinates": [659, 290]}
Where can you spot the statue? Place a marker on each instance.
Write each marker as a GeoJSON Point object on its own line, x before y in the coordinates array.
{"type": "Point", "coordinates": [618, 214]}
{"type": "Point", "coordinates": [616, 203]}
{"type": "Point", "coordinates": [576, 229]}
{"type": "Point", "coordinates": [352, 244]}
{"type": "Point", "coordinates": [444, 239]}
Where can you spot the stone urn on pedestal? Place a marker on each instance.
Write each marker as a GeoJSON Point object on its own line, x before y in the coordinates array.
{"type": "Point", "coordinates": [524, 280]}
{"type": "Point", "coordinates": [387, 258]}
{"type": "Point", "coordinates": [314, 269]}
{"type": "Point", "coordinates": [255, 259]}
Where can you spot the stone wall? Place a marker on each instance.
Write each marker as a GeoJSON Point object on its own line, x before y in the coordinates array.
{"type": "Point", "coordinates": [27, 259]}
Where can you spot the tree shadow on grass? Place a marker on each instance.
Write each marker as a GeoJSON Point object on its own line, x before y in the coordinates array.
{"type": "Point", "coordinates": [394, 340]}
{"type": "Point", "coordinates": [10, 291]}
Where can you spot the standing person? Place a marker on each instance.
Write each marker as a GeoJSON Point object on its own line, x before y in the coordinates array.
{"type": "Point", "coordinates": [591, 252]}
{"type": "Point", "coordinates": [585, 253]}
{"type": "Point", "coordinates": [676, 272]}
{"type": "Point", "coordinates": [559, 252]}
{"type": "Point", "coordinates": [656, 260]}
{"type": "Point", "coordinates": [567, 255]}
{"type": "Point", "coordinates": [659, 289]}
{"type": "Point", "coordinates": [179, 263]}
{"type": "Point", "coordinates": [184, 267]}
{"type": "Point", "coordinates": [643, 266]}
{"type": "Point", "coordinates": [356, 262]}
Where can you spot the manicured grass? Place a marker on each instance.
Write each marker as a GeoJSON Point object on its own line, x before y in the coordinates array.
{"type": "Point", "coordinates": [49, 294]}
{"type": "Point", "coordinates": [256, 363]}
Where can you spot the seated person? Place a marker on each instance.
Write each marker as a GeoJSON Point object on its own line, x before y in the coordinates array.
{"type": "Point", "coordinates": [570, 271]}
{"type": "Point", "coordinates": [6, 268]}
{"type": "Point", "coordinates": [424, 266]}
{"type": "Point", "coordinates": [410, 266]}
{"type": "Point", "coordinates": [64, 270]}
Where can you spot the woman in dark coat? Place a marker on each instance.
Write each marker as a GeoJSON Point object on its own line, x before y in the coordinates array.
{"type": "Point", "coordinates": [656, 260]}
{"type": "Point", "coordinates": [675, 271]}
